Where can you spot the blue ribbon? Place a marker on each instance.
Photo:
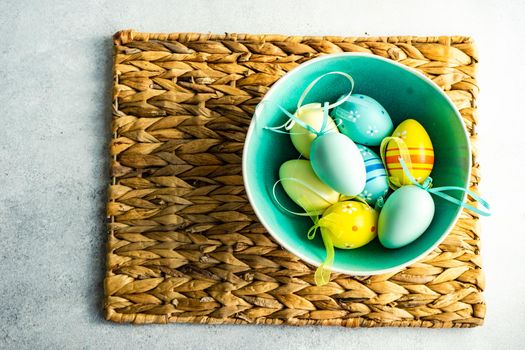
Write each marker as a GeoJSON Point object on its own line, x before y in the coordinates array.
{"type": "Point", "coordinates": [438, 191]}
{"type": "Point", "coordinates": [300, 122]}
{"type": "Point", "coordinates": [326, 107]}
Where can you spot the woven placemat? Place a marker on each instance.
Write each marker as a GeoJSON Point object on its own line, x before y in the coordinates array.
{"type": "Point", "coordinates": [184, 244]}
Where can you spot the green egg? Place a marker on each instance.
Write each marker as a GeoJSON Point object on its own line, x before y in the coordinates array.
{"type": "Point", "coordinates": [405, 216]}
{"type": "Point", "coordinates": [304, 187]}
{"type": "Point", "coordinates": [338, 163]}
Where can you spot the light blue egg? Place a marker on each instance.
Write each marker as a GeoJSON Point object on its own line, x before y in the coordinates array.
{"type": "Point", "coordinates": [338, 163]}
{"type": "Point", "coordinates": [376, 176]}
{"type": "Point", "coordinates": [405, 216]}
{"type": "Point", "coordinates": [364, 120]}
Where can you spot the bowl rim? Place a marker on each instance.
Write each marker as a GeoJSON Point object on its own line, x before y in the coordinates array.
{"type": "Point", "coordinates": [290, 248]}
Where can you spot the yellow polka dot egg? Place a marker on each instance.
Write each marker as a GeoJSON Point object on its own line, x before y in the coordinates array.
{"type": "Point", "coordinates": [349, 224]}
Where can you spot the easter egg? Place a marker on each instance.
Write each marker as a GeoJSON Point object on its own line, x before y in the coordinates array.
{"type": "Point", "coordinates": [419, 148]}
{"type": "Point", "coordinates": [406, 215]}
{"type": "Point", "coordinates": [338, 163]}
{"type": "Point", "coordinates": [312, 114]}
{"type": "Point", "coordinates": [304, 187]}
{"type": "Point", "coordinates": [349, 224]}
{"type": "Point", "coordinates": [376, 177]}
{"type": "Point", "coordinates": [364, 120]}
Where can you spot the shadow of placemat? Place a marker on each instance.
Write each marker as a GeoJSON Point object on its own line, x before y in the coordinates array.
{"type": "Point", "coordinates": [184, 244]}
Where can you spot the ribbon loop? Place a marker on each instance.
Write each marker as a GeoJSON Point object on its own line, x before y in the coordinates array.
{"type": "Point", "coordinates": [293, 118]}
{"type": "Point", "coordinates": [395, 182]}
{"type": "Point", "coordinates": [438, 191]}
{"type": "Point", "coordinates": [312, 231]}
{"type": "Point", "coordinates": [315, 81]}
{"type": "Point", "coordinates": [307, 187]}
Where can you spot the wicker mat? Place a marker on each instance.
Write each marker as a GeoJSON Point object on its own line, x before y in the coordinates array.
{"type": "Point", "coordinates": [184, 244]}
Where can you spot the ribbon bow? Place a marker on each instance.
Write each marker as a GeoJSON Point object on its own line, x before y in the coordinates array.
{"type": "Point", "coordinates": [438, 191]}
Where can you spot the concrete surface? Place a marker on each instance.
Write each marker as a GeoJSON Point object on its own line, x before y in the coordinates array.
{"type": "Point", "coordinates": [54, 75]}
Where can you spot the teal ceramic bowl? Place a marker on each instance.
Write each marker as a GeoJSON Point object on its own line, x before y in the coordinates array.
{"type": "Point", "coordinates": [405, 93]}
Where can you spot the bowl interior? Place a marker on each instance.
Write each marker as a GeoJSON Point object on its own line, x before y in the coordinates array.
{"type": "Point", "coordinates": [404, 94]}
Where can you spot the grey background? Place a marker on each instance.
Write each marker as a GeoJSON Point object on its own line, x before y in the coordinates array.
{"type": "Point", "coordinates": [55, 63]}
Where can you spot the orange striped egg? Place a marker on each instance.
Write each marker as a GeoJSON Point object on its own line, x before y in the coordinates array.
{"type": "Point", "coordinates": [419, 148]}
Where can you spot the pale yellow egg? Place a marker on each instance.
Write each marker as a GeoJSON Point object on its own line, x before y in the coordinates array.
{"type": "Point", "coordinates": [312, 114]}
{"type": "Point", "coordinates": [305, 188]}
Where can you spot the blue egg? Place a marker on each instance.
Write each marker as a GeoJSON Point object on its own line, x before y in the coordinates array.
{"type": "Point", "coordinates": [376, 176]}
{"type": "Point", "coordinates": [364, 120]}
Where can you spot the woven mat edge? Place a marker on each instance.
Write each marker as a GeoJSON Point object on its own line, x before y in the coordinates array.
{"type": "Point", "coordinates": [126, 36]}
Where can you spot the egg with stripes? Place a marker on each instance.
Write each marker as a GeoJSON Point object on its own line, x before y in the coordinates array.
{"type": "Point", "coordinates": [376, 176]}
{"type": "Point", "coordinates": [420, 150]}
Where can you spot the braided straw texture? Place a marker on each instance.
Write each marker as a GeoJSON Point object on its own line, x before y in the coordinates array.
{"type": "Point", "coordinates": [184, 244]}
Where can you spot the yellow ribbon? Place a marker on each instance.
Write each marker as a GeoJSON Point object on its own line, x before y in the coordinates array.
{"type": "Point", "coordinates": [324, 271]}
{"type": "Point", "coordinates": [328, 222]}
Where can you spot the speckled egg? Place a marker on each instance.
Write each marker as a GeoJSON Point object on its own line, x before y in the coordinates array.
{"type": "Point", "coordinates": [364, 120]}
{"type": "Point", "coordinates": [349, 224]}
